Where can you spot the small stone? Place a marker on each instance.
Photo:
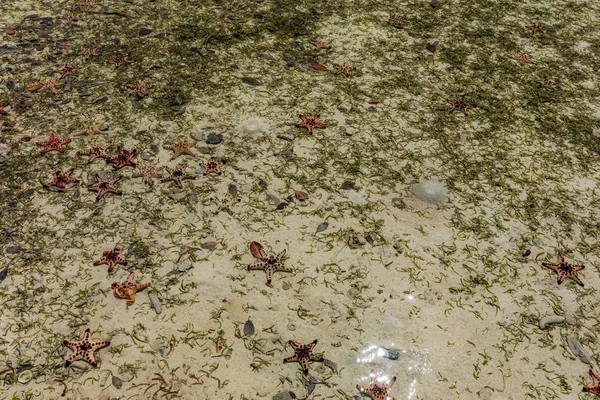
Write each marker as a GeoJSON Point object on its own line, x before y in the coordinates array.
{"type": "Point", "coordinates": [117, 382]}
{"type": "Point", "coordinates": [13, 249]}
{"type": "Point", "coordinates": [265, 56]}
{"type": "Point", "coordinates": [322, 226]}
{"type": "Point", "coordinates": [145, 31]}
{"type": "Point", "coordinates": [434, 4]}
{"type": "Point", "coordinates": [348, 185]}
{"type": "Point", "coordinates": [284, 136]}
{"type": "Point", "coordinates": [274, 199]}
{"type": "Point", "coordinates": [526, 253]}
{"type": "Point", "coordinates": [250, 81]}
{"type": "Point", "coordinates": [283, 396]}
{"type": "Point", "coordinates": [571, 320]}
{"type": "Point", "coordinates": [249, 328]}
{"type": "Point", "coordinates": [232, 189]}
{"type": "Point", "coordinates": [214, 138]}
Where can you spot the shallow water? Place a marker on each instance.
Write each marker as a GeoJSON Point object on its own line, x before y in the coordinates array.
{"type": "Point", "coordinates": [395, 180]}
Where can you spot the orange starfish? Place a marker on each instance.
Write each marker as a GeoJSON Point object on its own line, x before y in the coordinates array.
{"type": "Point", "coordinates": [182, 147]}
{"type": "Point", "coordinates": [595, 386]}
{"type": "Point", "coordinates": [303, 354]}
{"type": "Point", "coordinates": [565, 270]}
{"type": "Point", "coordinates": [310, 123]}
{"type": "Point", "coordinates": [112, 257]}
{"type": "Point", "coordinates": [84, 349]}
{"type": "Point", "coordinates": [377, 390]}
{"type": "Point", "coordinates": [128, 289]}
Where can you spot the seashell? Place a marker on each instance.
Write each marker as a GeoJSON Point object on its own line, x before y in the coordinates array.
{"type": "Point", "coordinates": [25, 376]}
{"type": "Point", "coordinates": [248, 328]}
{"type": "Point", "coordinates": [155, 302]}
{"type": "Point", "coordinates": [257, 250]}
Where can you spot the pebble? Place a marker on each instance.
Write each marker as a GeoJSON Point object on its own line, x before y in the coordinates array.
{"type": "Point", "coordinates": [249, 328]}
{"type": "Point", "coordinates": [284, 136]}
{"type": "Point", "coordinates": [13, 249]}
{"type": "Point", "coordinates": [155, 302]}
{"type": "Point", "coordinates": [117, 382]}
{"type": "Point", "coordinates": [232, 189]}
{"type": "Point", "coordinates": [322, 226]}
{"type": "Point", "coordinates": [250, 81]}
{"type": "Point", "coordinates": [571, 320]}
{"type": "Point", "coordinates": [348, 185]}
{"type": "Point", "coordinates": [577, 349]}
{"type": "Point", "coordinates": [145, 31]}
{"type": "Point", "coordinates": [265, 56]}
{"type": "Point", "coordinates": [434, 4]}
{"type": "Point", "coordinates": [284, 396]}
{"type": "Point", "coordinates": [204, 150]}
{"type": "Point", "coordinates": [214, 138]}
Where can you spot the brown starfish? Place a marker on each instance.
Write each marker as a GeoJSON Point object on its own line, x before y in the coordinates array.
{"type": "Point", "coordinates": [182, 147]}
{"type": "Point", "coordinates": [118, 60]}
{"type": "Point", "coordinates": [536, 28]}
{"type": "Point", "coordinates": [84, 349]}
{"type": "Point", "coordinates": [53, 143]}
{"type": "Point", "coordinates": [377, 390]}
{"type": "Point", "coordinates": [101, 186]}
{"type": "Point", "coordinates": [547, 82]}
{"type": "Point", "coordinates": [212, 167]}
{"type": "Point", "coordinates": [310, 123]}
{"type": "Point", "coordinates": [565, 270]}
{"type": "Point", "coordinates": [321, 44]}
{"type": "Point", "coordinates": [343, 69]}
{"type": "Point", "coordinates": [50, 85]}
{"type": "Point", "coordinates": [71, 16]}
{"type": "Point", "coordinates": [269, 264]}
{"type": "Point", "coordinates": [303, 354]}
{"type": "Point", "coordinates": [128, 289]}
{"type": "Point", "coordinates": [123, 158]}
{"type": "Point", "coordinates": [460, 105]}
{"type": "Point", "coordinates": [147, 172]}
{"type": "Point", "coordinates": [97, 151]}
{"type": "Point", "coordinates": [523, 58]}
{"type": "Point", "coordinates": [595, 386]}
{"type": "Point", "coordinates": [89, 53]}
{"type": "Point", "coordinates": [112, 257]}
{"type": "Point", "coordinates": [68, 69]}
{"type": "Point", "coordinates": [177, 174]}
{"type": "Point", "coordinates": [62, 180]}
{"type": "Point", "coordinates": [140, 89]}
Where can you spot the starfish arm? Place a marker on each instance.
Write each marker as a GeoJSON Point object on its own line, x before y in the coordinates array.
{"type": "Point", "coordinates": [141, 286]}
{"type": "Point", "coordinates": [130, 277]}
{"type": "Point", "coordinates": [295, 345]}
{"type": "Point", "coordinates": [561, 276]}
{"type": "Point", "coordinates": [304, 364]}
{"type": "Point", "coordinates": [99, 345]}
{"type": "Point", "coordinates": [74, 357]}
{"type": "Point", "coordinates": [594, 377]}
{"type": "Point", "coordinates": [111, 265]}
{"type": "Point", "coordinates": [101, 261]}
{"type": "Point", "coordinates": [553, 267]}
{"type": "Point", "coordinates": [280, 255]}
{"type": "Point", "coordinates": [576, 279]}
{"type": "Point", "coordinates": [257, 267]}
{"type": "Point", "coordinates": [312, 345]}
{"type": "Point", "coordinates": [316, 357]}
{"type": "Point", "coordinates": [290, 359]}
{"type": "Point", "coordinates": [281, 268]}
{"type": "Point", "coordinates": [269, 275]}
{"type": "Point", "coordinates": [70, 344]}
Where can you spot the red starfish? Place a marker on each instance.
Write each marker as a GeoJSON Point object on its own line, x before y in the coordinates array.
{"type": "Point", "coordinates": [84, 349]}
{"type": "Point", "coordinates": [565, 270]}
{"type": "Point", "coordinates": [269, 264]}
{"type": "Point", "coordinates": [63, 180]}
{"type": "Point", "coordinates": [377, 390]}
{"type": "Point", "coordinates": [97, 151]}
{"type": "Point", "coordinates": [101, 186]}
{"type": "Point", "coordinates": [212, 167]}
{"type": "Point", "coordinates": [595, 387]}
{"type": "Point", "coordinates": [112, 257]}
{"type": "Point", "coordinates": [303, 354]}
{"type": "Point", "coordinates": [53, 143]}
{"type": "Point", "coordinates": [122, 159]}
{"type": "Point", "coordinates": [2, 106]}
{"type": "Point", "coordinates": [310, 123]}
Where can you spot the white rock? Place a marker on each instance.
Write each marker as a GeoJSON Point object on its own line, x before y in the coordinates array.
{"type": "Point", "coordinates": [254, 126]}
{"type": "Point", "coordinates": [431, 191]}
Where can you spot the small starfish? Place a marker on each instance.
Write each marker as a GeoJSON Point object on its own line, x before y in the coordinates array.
{"type": "Point", "coordinates": [84, 349]}
{"type": "Point", "coordinates": [88, 3]}
{"type": "Point", "coordinates": [377, 390]}
{"type": "Point", "coordinates": [50, 85]}
{"type": "Point", "coordinates": [212, 167]}
{"type": "Point", "coordinates": [53, 143]}
{"type": "Point", "coordinates": [71, 16]}
{"type": "Point", "coordinates": [523, 58]}
{"type": "Point", "coordinates": [343, 69]}
{"type": "Point", "coordinates": [101, 186]}
{"type": "Point", "coordinates": [546, 82]}
{"type": "Point", "coordinates": [97, 151]}
{"type": "Point", "coordinates": [128, 289]}
{"type": "Point", "coordinates": [595, 386]}
{"type": "Point", "coordinates": [112, 257]}
{"type": "Point", "coordinates": [177, 174]}
{"type": "Point", "coordinates": [62, 180]}
{"type": "Point", "coordinates": [123, 158]}
{"type": "Point", "coordinates": [565, 270]}
{"type": "Point", "coordinates": [140, 89]}
{"type": "Point", "coordinates": [89, 53]}
{"type": "Point", "coordinates": [118, 60]}
{"type": "Point", "coordinates": [303, 354]}
{"type": "Point", "coordinates": [269, 264]}
{"type": "Point", "coordinates": [310, 123]}
{"type": "Point", "coordinates": [2, 106]}
{"type": "Point", "coordinates": [399, 21]}
{"type": "Point", "coordinates": [536, 28]}
{"type": "Point", "coordinates": [182, 147]}
{"type": "Point", "coordinates": [147, 171]}
{"type": "Point", "coordinates": [68, 69]}
{"type": "Point", "coordinates": [321, 44]}
{"type": "Point", "coordinates": [460, 105]}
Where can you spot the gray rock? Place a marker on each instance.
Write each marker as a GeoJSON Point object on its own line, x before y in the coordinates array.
{"type": "Point", "coordinates": [145, 31]}
{"type": "Point", "coordinates": [250, 81]}
{"type": "Point", "coordinates": [283, 396]}
{"type": "Point", "coordinates": [214, 138]}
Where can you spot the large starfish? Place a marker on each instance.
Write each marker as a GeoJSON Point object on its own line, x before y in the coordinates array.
{"type": "Point", "coordinates": [97, 151]}
{"type": "Point", "coordinates": [310, 123]}
{"type": "Point", "coordinates": [212, 167]}
{"type": "Point", "coordinates": [147, 172]}
{"type": "Point", "coordinates": [101, 186]}
{"type": "Point", "coordinates": [177, 174]}
{"type": "Point", "coordinates": [122, 159]}
{"type": "Point", "coordinates": [53, 143]}
{"type": "Point", "coordinates": [269, 264]}
{"type": "Point", "coordinates": [377, 390]}
{"type": "Point", "coordinates": [128, 289]}
{"type": "Point", "coordinates": [84, 349]}
{"type": "Point", "coordinates": [182, 147]}
{"type": "Point", "coordinates": [112, 257]}
{"type": "Point", "coordinates": [303, 353]}
{"type": "Point", "coordinates": [62, 180]}
{"type": "Point", "coordinates": [565, 270]}
{"type": "Point", "coordinates": [595, 386]}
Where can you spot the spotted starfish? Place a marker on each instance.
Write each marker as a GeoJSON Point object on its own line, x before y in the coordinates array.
{"type": "Point", "coordinates": [182, 147]}
{"type": "Point", "coordinates": [460, 105]}
{"type": "Point", "coordinates": [50, 85]}
{"type": "Point", "coordinates": [147, 172]}
{"type": "Point", "coordinates": [84, 349]}
{"type": "Point", "coordinates": [101, 186]}
{"type": "Point", "coordinates": [118, 60]}
{"type": "Point", "coordinates": [112, 257]}
{"type": "Point", "coordinates": [123, 158]}
{"type": "Point", "coordinates": [269, 264]}
{"type": "Point", "coordinates": [68, 69]}
{"type": "Point", "coordinates": [97, 151]}
{"type": "Point", "coordinates": [177, 174]}
{"type": "Point", "coordinates": [377, 390]}
{"type": "Point", "coordinates": [595, 386]}
{"type": "Point", "coordinates": [546, 82]}
{"type": "Point", "coordinates": [321, 44]}
{"type": "Point", "coordinates": [303, 353]}
{"type": "Point", "coordinates": [212, 167]}
{"type": "Point", "coordinates": [343, 69]}
{"type": "Point", "coordinates": [53, 143]}
{"type": "Point", "coordinates": [310, 123]}
{"type": "Point", "coordinates": [565, 270]}
{"type": "Point", "coordinates": [62, 180]}
{"type": "Point", "coordinates": [2, 107]}
{"type": "Point", "coordinates": [523, 58]}
{"type": "Point", "coordinates": [128, 289]}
